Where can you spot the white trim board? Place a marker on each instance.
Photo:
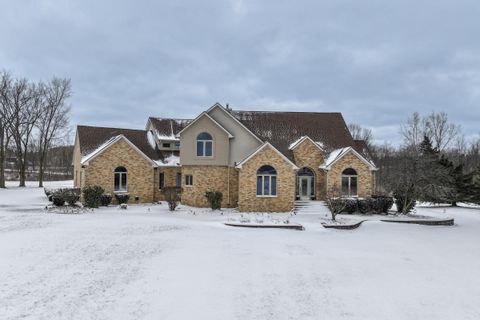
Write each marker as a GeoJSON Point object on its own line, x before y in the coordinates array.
{"type": "Point", "coordinates": [301, 140]}
{"type": "Point", "coordinates": [266, 144]}
{"type": "Point", "coordinates": [342, 152]}
{"type": "Point", "coordinates": [205, 114]}
{"type": "Point", "coordinates": [106, 145]}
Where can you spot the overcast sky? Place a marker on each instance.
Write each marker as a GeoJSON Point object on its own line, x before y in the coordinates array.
{"type": "Point", "coordinates": [376, 61]}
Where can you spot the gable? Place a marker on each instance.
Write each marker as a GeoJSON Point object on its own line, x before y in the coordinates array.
{"type": "Point", "coordinates": [337, 155]}
{"type": "Point", "coordinates": [262, 149]}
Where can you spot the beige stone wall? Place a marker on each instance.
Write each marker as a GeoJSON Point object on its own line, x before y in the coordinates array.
{"type": "Point", "coordinates": [306, 154]}
{"type": "Point", "coordinates": [77, 167]}
{"type": "Point", "coordinates": [140, 176]}
{"type": "Point", "coordinates": [210, 178]}
{"type": "Point", "coordinates": [248, 200]}
{"type": "Point", "coordinates": [365, 175]}
{"type": "Point", "coordinates": [170, 180]}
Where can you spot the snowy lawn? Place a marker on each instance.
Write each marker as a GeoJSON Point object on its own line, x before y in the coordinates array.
{"type": "Point", "coordinates": [148, 263]}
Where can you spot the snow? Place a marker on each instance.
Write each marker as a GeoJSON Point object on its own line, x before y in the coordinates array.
{"type": "Point", "coordinates": [294, 143]}
{"type": "Point", "coordinates": [170, 161]}
{"type": "Point", "coordinates": [151, 140]}
{"type": "Point", "coordinates": [100, 148]}
{"type": "Point", "coordinates": [148, 263]}
{"type": "Point", "coordinates": [334, 155]}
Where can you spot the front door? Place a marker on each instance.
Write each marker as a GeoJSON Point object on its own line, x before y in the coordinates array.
{"type": "Point", "coordinates": [305, 188]}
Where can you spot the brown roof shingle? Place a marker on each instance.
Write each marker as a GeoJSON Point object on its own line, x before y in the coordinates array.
{"type": "Point", "coordinates": [90, 138]}
{"type": "Point", "coordinates": [168, 126]}
{"type": "Point", "coordinates": [283, 128]}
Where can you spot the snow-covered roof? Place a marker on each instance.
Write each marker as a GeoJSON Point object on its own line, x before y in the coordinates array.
{"type": "Point", "coordinates": [170, 161]}
{"type": "Point", "coordinates": [239, 165]}
{"type": "Point", "coordinates": [337, 154]}
{"type": "Point", "coordinates": [107, 144]}
{"type": "Point", "coordinates": [297, 142]}
{"type": "Point", "coordinates": [205, 114]}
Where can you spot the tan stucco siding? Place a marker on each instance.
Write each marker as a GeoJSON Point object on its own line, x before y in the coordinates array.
{"type": "Point", "coordinates": [77, 166]}
{"type": "Point", "coordinates": [140, 176]}
{"type": "Point", "coordinates": [365, 182]}
{"type": "Point", "coordinates": [188, 143]}
{"type": "Point", "coordinates": [286, 176]}
{"type": "Point", "coordinates": [243, 144]}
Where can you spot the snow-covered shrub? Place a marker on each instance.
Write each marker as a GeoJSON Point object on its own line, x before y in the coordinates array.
{"type": "Point", "coordinates": [122, 198]}
{"type": "Point", "coordinates": [92, 196]}
{"type": "Point", "coordinates": [214, 198]}
{"type": "Point", "coordinates": [365, 205]}
{"type": "Point", "coordinates": [58, 200]}
{"type": "Point", "coordinates": [172, 196]}
{"type": "Point", "coordinates": [404, 205]}
{"type": "Point", "coordinates": [382, 204]}
{"type": "Point", "coordinates": [351, 206]}
{"type": "Point", "coordinates": [70, 195]}
{"type": "Point", "coordinates": [106, 199]}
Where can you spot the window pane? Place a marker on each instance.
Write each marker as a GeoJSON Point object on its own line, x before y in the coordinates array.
{"type": "Point", "coordinates": [116, 185]}
{"type": "Point", "coordinates": [274, 186]}
{"type": "Point", "coordinates": [162, 180]}
{"type": "Point", "coordinates": [200, 148]}
{"type": "Point", "coordinates": [353, 186]}
{"type": "Point", "coordinates": [266, 185]}
{"type": "Point", "coordinates": [208, 148]}
{"type": "Point", "coordinates": [259, 185]}
{"type": "Point", "coordinates": [123, 186]}
{"type": "Point", "coordinates": [345, 186]}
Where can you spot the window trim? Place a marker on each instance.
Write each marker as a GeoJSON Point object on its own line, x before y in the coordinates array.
{"type": "Point", "coordinates": [269, 176]}
{"type": "Point", "coordinates": [349, 177]}
{"type": "Point", "coordinates": [178, 177]}
{"type": "Point", "coordinates": [120, 174]}
{"type": "Point", "coordinates": [160, 184]}
{"type": "Point", "coordinates": [204, 146]}
{"type": "Point", "coordinates": [187, 178]}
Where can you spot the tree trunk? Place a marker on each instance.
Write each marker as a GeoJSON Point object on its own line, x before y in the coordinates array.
{"type": "Point", "coordinates": [2, 158]}
{"type": "Point", "coordinates": [41, 170]}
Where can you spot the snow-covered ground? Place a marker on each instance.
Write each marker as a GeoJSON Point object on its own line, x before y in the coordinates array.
{"type": "Point", "coordinates": [148, 263]}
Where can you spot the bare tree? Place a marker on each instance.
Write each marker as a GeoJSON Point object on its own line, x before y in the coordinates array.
{"type": "Point", "coordinates": [53, 118]}
{"type": "Point", "coordinates": [413, 131]}
{"type": "Point", "coordinates": [5, 119]}
{"type": "Point", "coordinates": [23, 102]}
{"type": "Point", "coordinates": [440, 130]}
{"type": "Point", "coordinates": [360, 133]}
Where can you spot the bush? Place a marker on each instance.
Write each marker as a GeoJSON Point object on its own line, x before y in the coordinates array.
{"type": "Point", "coordinates": [122, 197]}
{"type": "Point", "coordinates": [377, 205]}
{"type": "Point", "coordinates": [105, 199]}
{"type": "Point", "coordinates": [72, 196]}
{"type": "Point", "coordinates": [92, 196]}
{"type": "Point", "coordinates": [58, 200]}
{"type": "Point", "coordinates": [172, 196]}
{"type": "Point", "coordinates": [400, 202]}
{"type": "Point", "coordinates": [214, 198]}
{"type": "Point", "coordinates": [384, 203]}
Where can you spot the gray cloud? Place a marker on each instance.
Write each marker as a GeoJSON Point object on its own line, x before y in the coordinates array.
{"type": "Point", "coordinates": [375, 61]}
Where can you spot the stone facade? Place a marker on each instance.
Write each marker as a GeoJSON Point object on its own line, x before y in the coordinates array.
{"type": "Point", "coordinates": [286, 176]}
{"type": "Point", "coordinates": [210, 178]}
{"type": "Point", "coordinates": [140, 172]}
{"type": "Point", "coordinates": [308, 155]}
{"type": "Point", "coordinates": [170, 176]}
{"type": "Point", "coordinates": [366, 177]}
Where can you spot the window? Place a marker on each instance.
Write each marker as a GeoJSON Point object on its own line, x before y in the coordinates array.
{"type": "Point", "coordinates": [165, 145]}
{"type": "Point", "coordinates": [204, 145]}
{"type": "Point", "coordinates": [188, 180]}
{"type": "Point", "coordinates": [349, 182]}
{"type": "Point", "coordinates": [179, 179]}
{"type": "Point", "coordinates": [177, 145]}
{"type": "Point", "coordinates": [266, 181]}
{"type": "Point", "coordinates": [120, 184]}
{"type": "Point", "coordinates": [161, 180]}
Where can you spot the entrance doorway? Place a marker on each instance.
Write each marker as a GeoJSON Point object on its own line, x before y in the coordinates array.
{"type": "Point", "coordinates": [305, 184]}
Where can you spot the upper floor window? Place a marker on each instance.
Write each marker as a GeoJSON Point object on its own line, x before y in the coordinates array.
{"type": "Point", "coordinates": [204, 145]}
{"type": "Point", "coordinates": [166, 145]}
{"type": "Point", "coordinates": [120, 181]}
{"type": "Point", "coordinates": [266, 181]}
{"type": "Point", "coordinates": [349, 182]}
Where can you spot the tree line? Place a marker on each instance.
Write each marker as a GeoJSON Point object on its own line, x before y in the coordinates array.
{"type": "Point", "coordinates": [34, 118]}
{"type": "Point", "coordinates": [434, 162]}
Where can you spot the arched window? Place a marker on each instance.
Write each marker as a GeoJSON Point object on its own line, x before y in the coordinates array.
{"type": "Point", "coordinates": [349, 182]}
{"type": "Point", "coordinates": [266, 181]}
{"type": "Point", "coordinates": [204, 145]}
{"type": "Point", "coordinates": [120, 184]}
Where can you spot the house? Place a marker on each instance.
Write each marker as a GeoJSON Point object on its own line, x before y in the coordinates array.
{"type": "Point", "coordinates": [259, 160]}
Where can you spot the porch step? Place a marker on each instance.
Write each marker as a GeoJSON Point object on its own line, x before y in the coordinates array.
{"type": "Point", "coordinates": [308, 207]}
